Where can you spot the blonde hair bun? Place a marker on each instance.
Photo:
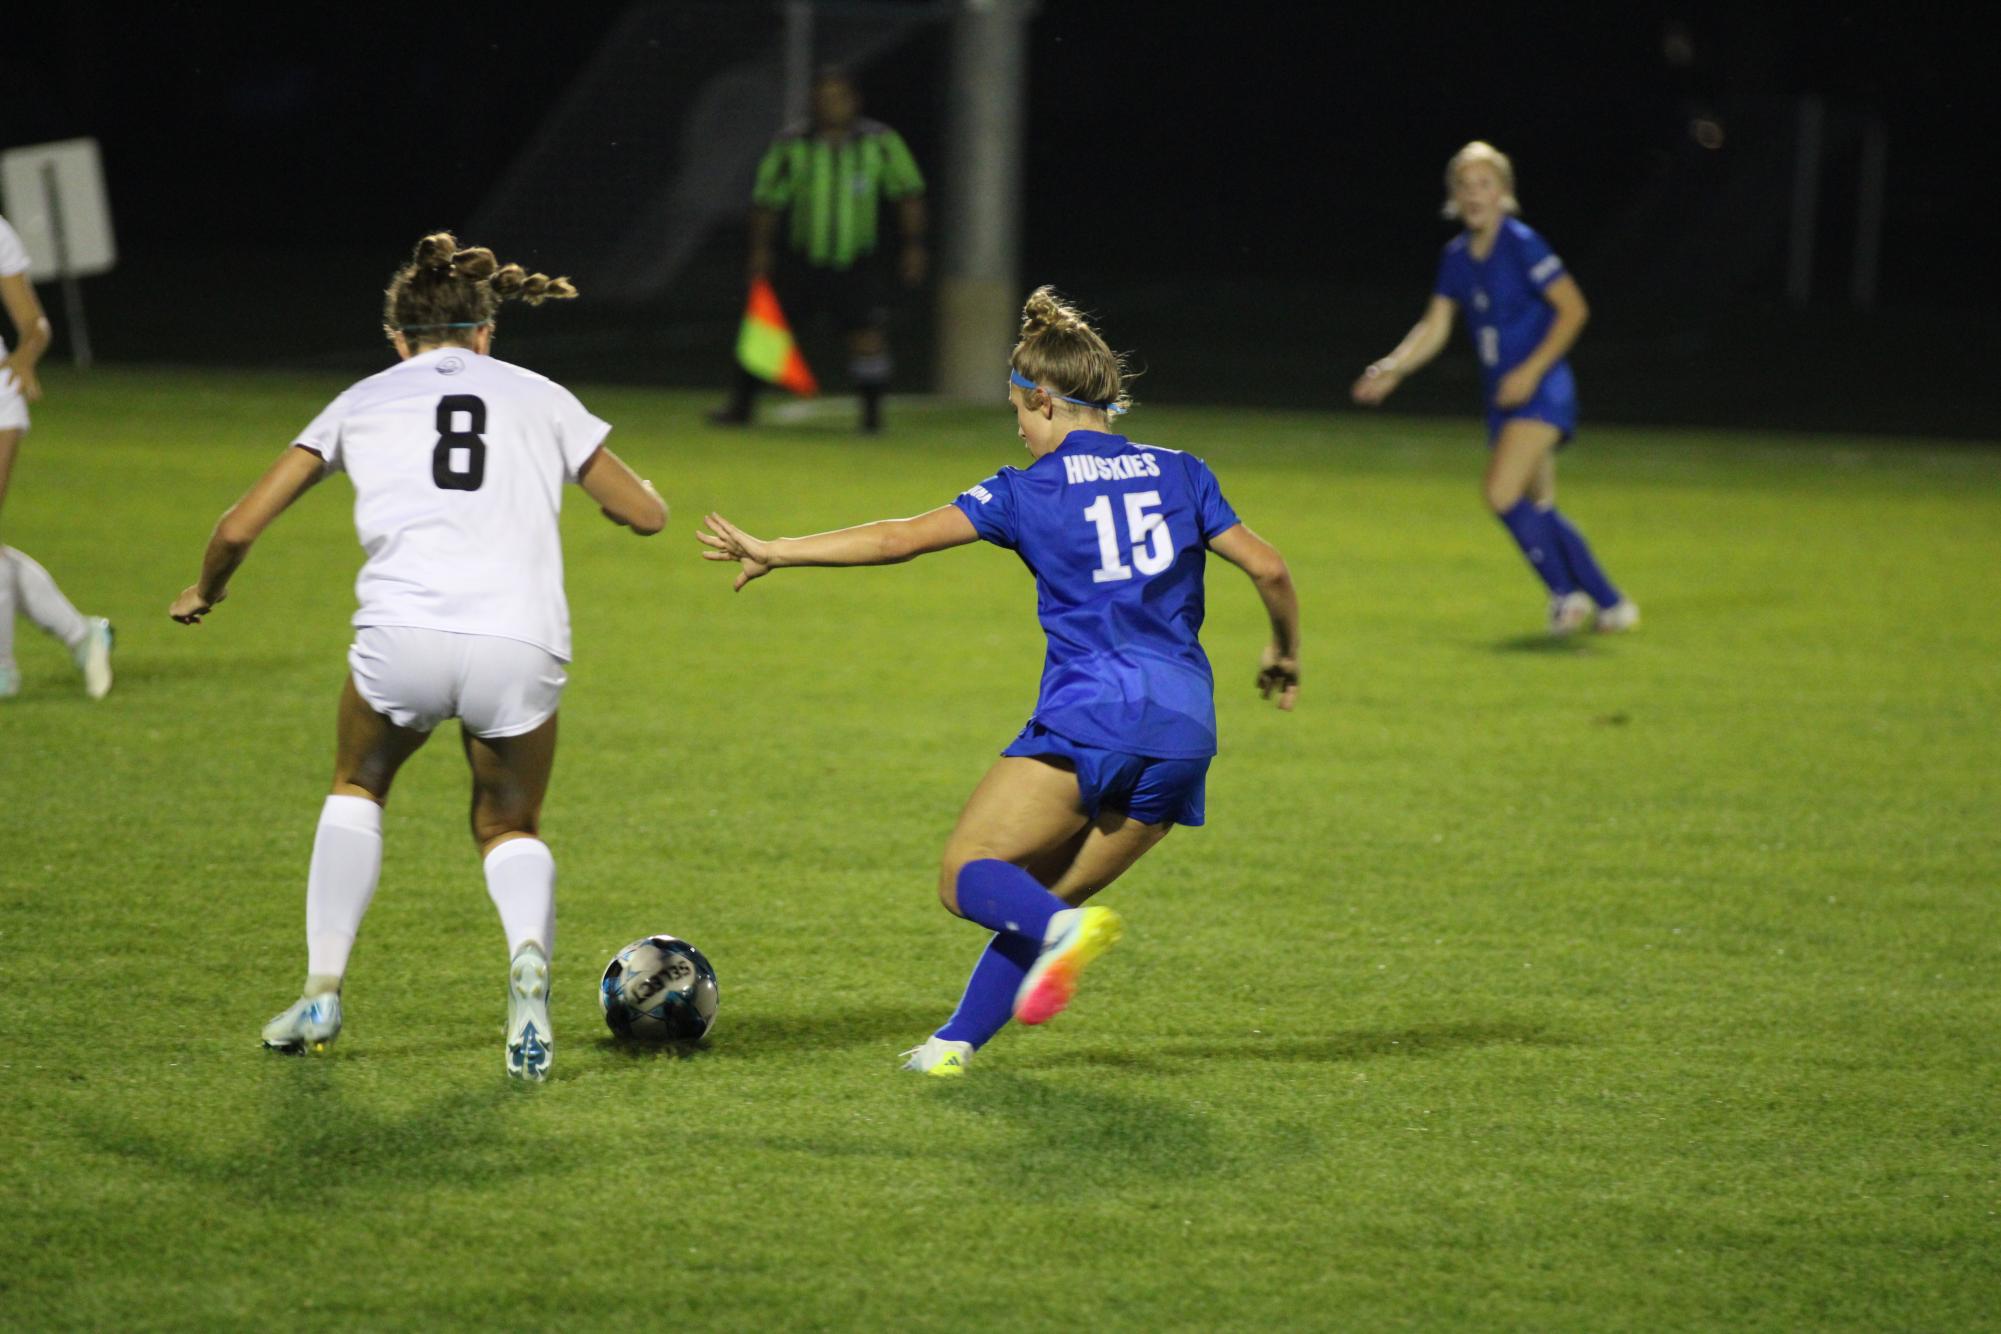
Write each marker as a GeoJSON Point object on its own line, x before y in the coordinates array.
{"type": "Point", "coordinates": [1059, 349]}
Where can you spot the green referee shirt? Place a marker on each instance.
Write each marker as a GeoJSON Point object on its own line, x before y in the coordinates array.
{"type": "Point", "coordinates": [835, 189]}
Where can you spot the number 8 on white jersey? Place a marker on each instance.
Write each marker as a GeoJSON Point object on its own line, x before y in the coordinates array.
{"type": "Point", "coordinates": [458, 463]}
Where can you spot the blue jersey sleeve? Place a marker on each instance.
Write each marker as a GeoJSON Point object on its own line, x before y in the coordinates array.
{"type": "Point", "coordinates": [1538, 261]}
{"type": "Point", "coordinates": [1214, 512]}
{"type": "Point", "coordinates": [1452, 275]}
{"type": "Point", "coordinates": [990, 505]}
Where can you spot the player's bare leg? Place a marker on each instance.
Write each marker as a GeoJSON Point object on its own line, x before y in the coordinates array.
{"type": "Point", "coordinates": [1023, 821]}
{"type": "Point", "coordinates": [369, 749]}
{"type": "Point", "coordinates": [1110, 847]}
{"type": "Point", "coordinates": [1522, 462]}
{"type": "Point", "coordinates": [1022, 811]}
{"type": "Point", "coordinates": [1542, 485]}
{"type": "Point", "coordinates": [510, 777]}
{"type": "Point", "coordinates": [10, 445]}
{"type": "Point", "coordinates": [1517, 460]}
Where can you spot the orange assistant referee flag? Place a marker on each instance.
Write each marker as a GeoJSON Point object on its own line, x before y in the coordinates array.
{"type": "Point", "coordinates": [765, 346]}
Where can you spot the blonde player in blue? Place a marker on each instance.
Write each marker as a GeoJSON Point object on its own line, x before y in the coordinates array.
{"type": "Point", "coordinates": [1117, 751]}
{"type": "Point", "coordinates": [1525, 312]}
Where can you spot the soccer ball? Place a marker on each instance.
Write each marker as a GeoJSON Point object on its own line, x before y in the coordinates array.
{"type": "Point", "coordinates": [659, 989]}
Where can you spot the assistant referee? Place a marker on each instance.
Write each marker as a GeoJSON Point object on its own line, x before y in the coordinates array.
{"type": "Point", "coordinates": [824, 182]}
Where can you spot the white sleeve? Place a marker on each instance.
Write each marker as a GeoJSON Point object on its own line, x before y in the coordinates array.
{"type": "Point", "coordinates": [13, 255]}
{"type": "Point", "coordinates": [322, 435]}
{"type": "Point", "coordinates": [578, 433]}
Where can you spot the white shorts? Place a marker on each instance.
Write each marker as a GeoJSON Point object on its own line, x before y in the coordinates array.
{"type": "Point", "coordinates": [418, 678]}
{"type": "Point", "coordinates": [13, 407]}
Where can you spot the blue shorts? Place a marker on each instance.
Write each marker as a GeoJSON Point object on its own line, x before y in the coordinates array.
{"type": "Point", "coordinates": [1151, 791]}
{"type": "Point", "coordinates": [1555, 402]}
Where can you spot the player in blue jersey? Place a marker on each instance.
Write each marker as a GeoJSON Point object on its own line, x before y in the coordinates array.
{"type": "Point", "coordinates": [1118, 749]}
{"type": "Point", "coordinates": [1525, 312]}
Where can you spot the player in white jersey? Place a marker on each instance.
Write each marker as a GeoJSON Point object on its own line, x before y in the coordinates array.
{"type": "Point", "coordinates": [24, 584]}
{"type": "Point", "coordinates": [458, 463]}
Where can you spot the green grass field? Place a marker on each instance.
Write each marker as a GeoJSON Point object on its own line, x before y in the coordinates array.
{"type": "Point", "coordinates": [1619, 984]}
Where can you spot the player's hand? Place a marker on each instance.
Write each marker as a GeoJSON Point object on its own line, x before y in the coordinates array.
{"type": "Point", "coordinates": [726, 541]}
{"type": "Point", "coordinates": [1517, 387]}
{"type": "Point", "coordinates": [191, 606]}
{"type": "Point", "coordinates": [916, 262]}
{"type": "Point", "coordinates": [1278, 672]}
{"type": "Point", "coordinates": [21, 378]}
{"type": "Point", "coordinates": [1375, 385]}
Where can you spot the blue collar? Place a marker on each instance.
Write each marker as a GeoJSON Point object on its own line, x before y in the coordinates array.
{"type": "Point", "coordinates": [1086, 439]}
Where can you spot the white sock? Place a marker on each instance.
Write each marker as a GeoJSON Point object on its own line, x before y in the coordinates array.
{"type": "Point", "coordinates": [347, 861]}
{"type": "Point", "coordinates": [521, 881]}
{"type": "Point", "coordinates": [36, 596]}
{"type": "Point", "coordinates": [6, 607]}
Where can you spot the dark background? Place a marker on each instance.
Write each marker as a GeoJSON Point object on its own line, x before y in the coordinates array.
{"type": "Point", "coordinates": [1246, 194]}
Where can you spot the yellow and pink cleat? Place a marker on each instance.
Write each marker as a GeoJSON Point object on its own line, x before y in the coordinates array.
{"type": "Point", "coordinates": [1075, 937]}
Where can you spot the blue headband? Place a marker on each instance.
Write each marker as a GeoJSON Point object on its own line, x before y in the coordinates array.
{"type": "Point", "coordinates": [1020, 381]}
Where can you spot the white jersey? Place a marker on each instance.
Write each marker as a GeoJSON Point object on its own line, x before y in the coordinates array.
{"type": "Point", "coordinates": [458, 463]}
{"type": "Point", "coordinates": [13, 260]}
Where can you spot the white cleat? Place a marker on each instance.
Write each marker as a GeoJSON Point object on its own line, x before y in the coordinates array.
{"type": "Point", "coordinates": [10, 680]}
{"type": "Point", "coordinates": [311, 1024]}
{"type": "Point", "coordinates": [93, 658]}
{"type": "Point", "coordinates": [530, 1041]}
{"type": "Point", "coordinates": [1569, 613]}
{"type": "Point", "coordinates": [1623, 615]}
{"type": "Point", "coordinates": [939, 1058]}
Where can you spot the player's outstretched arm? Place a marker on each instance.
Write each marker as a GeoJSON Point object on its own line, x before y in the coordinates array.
{"type": "Point", "coordinates": [885, 542]}
{"type": "Point", "coordinates": [1425, 340]}
{"type": "Point", "coordinates": [626, 498]}
{"type": "Point", "coordinates": [284, 482]}
{"type": "Point", "coordinates": [1278, 668]}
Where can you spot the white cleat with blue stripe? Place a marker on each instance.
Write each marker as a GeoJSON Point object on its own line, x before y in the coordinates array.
{"type": "Point", "coordinates": [311, 1024]}
{"type": "Point", "coordinates": [530, 1042]}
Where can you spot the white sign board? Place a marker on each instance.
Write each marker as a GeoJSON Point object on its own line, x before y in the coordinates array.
{"type": "Point", "coordinates": [46, 187]}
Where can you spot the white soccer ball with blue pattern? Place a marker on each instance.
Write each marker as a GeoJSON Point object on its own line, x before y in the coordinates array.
{"type": "Point", "coordinates": [659, 989]}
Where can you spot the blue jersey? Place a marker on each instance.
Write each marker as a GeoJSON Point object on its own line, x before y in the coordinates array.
{"type": "Point", "coordinates": [1115, 534]}
{"type": "Point", "coordinates": [1502, 296]}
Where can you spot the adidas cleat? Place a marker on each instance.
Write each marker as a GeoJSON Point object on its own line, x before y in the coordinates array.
{"type": "Point", "coordinates": [1075, 937]}
{"type": "Point", "coordinates": [311, 1024]}
{"type": "Point", "coordinates": [530, 1042]}
{"type": "Point", "coordinates": [939, 1058]}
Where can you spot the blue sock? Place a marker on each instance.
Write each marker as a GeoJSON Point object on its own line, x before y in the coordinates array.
{"type": "Point", "coordinates": [1583, 565]}
{"type": "Point", "coordinates": [989, 1000]}
{"type": "Point", "coordinates": [1536, 536]}
{"type": "Point", "coordinates": [1002, 897]}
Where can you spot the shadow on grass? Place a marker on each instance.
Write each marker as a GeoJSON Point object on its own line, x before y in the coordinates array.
{"type": "Point", "coordinates": [1330, 1048]}
{"type": "Point", "coordinates": [1579, 645]}
{"type": "Point", "coordinates": [134, 670]}
{"type": "Point", "coordinates": [314, 1137]}
{"type": "Point", "coordinates": [764, 1036]}
{"type": "Point", "coordinates": [1072, 1136]}
{"type": "Point", "coordinates": [649, 1053]}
